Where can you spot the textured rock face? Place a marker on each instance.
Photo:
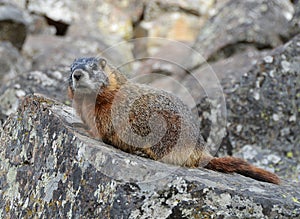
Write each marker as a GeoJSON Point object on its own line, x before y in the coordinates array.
{"type": "Point", "coordinates": [11, 62]}
{"type": "Point", "coordinates": [295, 23]}
{"type": "Point", "coordinates": [51, 83]}
{"type": "Point", "coordinates": [262, 107]}
{"type": "Point", "coordinates": [12, 24]}
{"type": "Point", "coordinates": [268, 98]}
{"type": "Point", "coordinates": [239, 25]}
{"type": "Point", "coordinates": [51, 171]}
{"type": "Point", "coordinates": [49, 51]}
{"type": "Point", "coordinates": [53, 9]}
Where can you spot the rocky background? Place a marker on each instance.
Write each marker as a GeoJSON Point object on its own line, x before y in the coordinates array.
{"type": "Point", "coordinates": [249, 49]}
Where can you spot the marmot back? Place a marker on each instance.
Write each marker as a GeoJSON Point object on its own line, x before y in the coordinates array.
{"type": "Point", "coordinates": [145, 121]}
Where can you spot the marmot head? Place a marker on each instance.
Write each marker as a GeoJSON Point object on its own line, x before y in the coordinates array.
{"type": "Point", "coordinates": [88, 75]}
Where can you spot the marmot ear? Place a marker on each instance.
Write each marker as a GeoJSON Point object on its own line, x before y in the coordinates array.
{"type": "Point", "coordinates": [102, 62]}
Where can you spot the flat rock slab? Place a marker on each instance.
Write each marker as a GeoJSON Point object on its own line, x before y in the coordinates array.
{"type": "Point", "coordinates": [49, 170]}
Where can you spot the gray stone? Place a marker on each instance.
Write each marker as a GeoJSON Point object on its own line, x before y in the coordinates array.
{"type": "Point", "coordinates": [47, 51]}
{"type": "Point", "coordinates": [49, 170]}
{"type": "Point", "coordinates": [170, 19]}
{"type": "Point", "coordinates": [195, 7]}
{"type": "Point", "coordinates": [265, 104]}
{"type": "Point", "coordinates": [295, 23]}
{"type": "Point", "coordinates": [52, 83]}
{"type": "Point", "coordinates": [11, 62]}
{"type": "Point", "coordinates": [225, 72]}
{"type": "Point", "coordinates": [262, 105]}
{"type": "Point", "coordinates": [238, 25]}
{"type": "Point", "coordinates": [53, 9]}
{"type": "Point", "coordinates": [13, 25]}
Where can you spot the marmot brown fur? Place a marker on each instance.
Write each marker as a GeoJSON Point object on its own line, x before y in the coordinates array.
{"type": "Point", "coordinates": [145, 121]}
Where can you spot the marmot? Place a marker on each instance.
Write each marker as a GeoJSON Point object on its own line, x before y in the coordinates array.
{"type": "Point", "coordinates": [142, 120]}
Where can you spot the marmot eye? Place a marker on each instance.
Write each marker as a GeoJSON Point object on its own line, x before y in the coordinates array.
{"type": "Point", "coordinates": [92, 65]}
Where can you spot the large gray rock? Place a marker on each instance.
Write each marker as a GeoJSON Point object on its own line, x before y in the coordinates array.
{"type": "Point", "coordinates": [221, 73]}
{"type": "Point", "coordinates": [295, 23]}
{"type": "Point", "coordinates": [47, 51]}
{"type": "Point", "coordinates": [11, 62]}
{"type": "Point", "coordinates": [13, 25]}
{"type": "Point", "coordinates": [49, 170]}
{"type": "Point", "coordinates": [263, 107]}
{"type": "Point", "coordinates": [53, 9]}
{"type": "Point", "coordinates": [52, 83]}
{"type": "Point", "coordinates": [239, 25]}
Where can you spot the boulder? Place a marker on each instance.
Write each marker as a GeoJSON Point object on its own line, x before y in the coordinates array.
{"type": "Point", "coordinates": [224, 72]}
{"type": "Point", "coordinates": [52, 82]}
{"type": "Point", "coordinates": [262, 107]}
{"type": "Point", "coordinates": [59, 11]}
{"type": "Point", "coordinates": [238, 25]}
{"type": "Point", "coordinates": [196, 7]}
{"type": "Point", "coordinates": [295, 23]}
{"type": "Point", "coordinates": [116, 19]}
{"type": "Point", "coordinates": [11, 62]}
{"type": "Point", "coordinates": [48, 51]}
{"type": "Point", "coordinates": [175, 20]}
{"type": "Point", "coordinates": [50, 170]}
{"type": "Point", "coordinates": [13, 25]}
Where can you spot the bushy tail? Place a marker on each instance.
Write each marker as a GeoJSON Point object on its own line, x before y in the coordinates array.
{"type": "Point", "coordinates": [237, 165]}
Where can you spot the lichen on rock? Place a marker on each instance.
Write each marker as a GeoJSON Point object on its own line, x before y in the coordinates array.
{"type": "Point", "coordinates": [50, 170]}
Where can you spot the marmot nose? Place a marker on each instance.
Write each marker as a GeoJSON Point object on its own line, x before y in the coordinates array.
{"type": "Point", "coordinates": [77, 75]}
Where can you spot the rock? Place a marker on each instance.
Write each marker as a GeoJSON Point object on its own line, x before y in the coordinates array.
{"type": "Point", "coordinates": [212, 77]}
{"type": "Point", "coordinates": [52, 9]}
{"type": "Point", "coordinates": [39, 25]}
{"type": "Point", "coordinates": [13, 25]}
{"type": "Point", "coordinates": [47, 51]}
{"type": "Point", "coordinates": [56, 14]}
{"type": "Point", "coordinates": [52, 83]}
{"type": "Point", "coordinates": [165, 61]}
{"type": "Point", "coordinates": [50, 170]}
{"type": "Point", "coordinates": [262, 103]}
{"type": "Point", "coordinates": [271, 160]}
{"type": "Point", "coordinates": [196, 7]}
{"type": "Point", "coordinates": [176, 20]}
{"type": "Point", "coordinates": [271, 89]}
{"type": "Point", "coordinates": [295, 23]}
{"type": "Point", "coordinates": [11, 62]}
{"type": "Point", "coordinates": [37, 22]}
{"type": "Point", "coordinates": [242, 24]}
{"type": "Point", "coordinates": [173, 25]}
{"type": "Point", "coordinates": [263, 107]}
{"type": "Point", "coordinates": [116, 19]}
{"type": "Point", "coordinates": [109, 20]}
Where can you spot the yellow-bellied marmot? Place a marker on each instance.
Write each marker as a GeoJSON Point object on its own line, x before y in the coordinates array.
{"type": "Point", "coordinates": [142, 120]}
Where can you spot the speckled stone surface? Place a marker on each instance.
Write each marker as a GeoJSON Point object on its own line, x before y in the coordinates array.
{"type": "Point", "coordinates": [49, 170]}
{"type": "Point", "coordinates": [238, 25]}
{"type": "Point", "coordinates": [263, 109]}
{"type": "Point", "coordinates": [264, 106]}
{"type": "Point", "coordinates": [13, 24]}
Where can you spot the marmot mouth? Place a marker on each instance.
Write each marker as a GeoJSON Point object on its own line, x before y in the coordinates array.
{"type": "Point", "coordinates": [82, 88]}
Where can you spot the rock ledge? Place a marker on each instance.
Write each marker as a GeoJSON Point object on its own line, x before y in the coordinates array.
{"type": "Point", "coordinates": [49, 170]}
